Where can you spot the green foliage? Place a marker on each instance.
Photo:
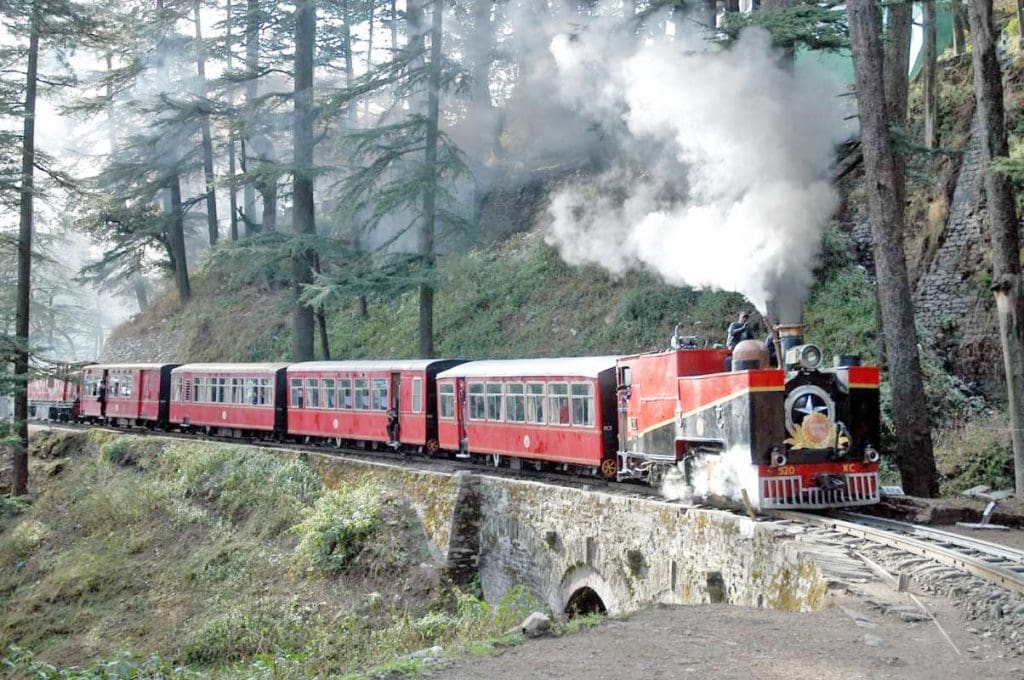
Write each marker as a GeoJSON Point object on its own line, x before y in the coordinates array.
{"type": "Point", "coordinates": [18, 543]}
{"type": "Point", "coordinates": [339, 525]}
{"type": "Point", "coordinates": [973, 452]}
{"type": "Point", "coordinates": [117, 451]}
{"type": "Point", "coordinates": [840, 311]}
{"type": "Point", "coordinates": [242, 482]}
{"type": "Point", "coordinates": [126, 666]}
{"type": "Point", "coordinates": [811, 24]}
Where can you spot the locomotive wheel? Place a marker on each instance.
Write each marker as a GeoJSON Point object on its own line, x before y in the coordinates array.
{"type": "Point", "coordinates": [609, 468]}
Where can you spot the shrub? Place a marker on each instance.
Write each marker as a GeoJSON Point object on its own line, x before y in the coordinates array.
{"type": "Point", "coordinates": [126, 666]}
{"type": "Point", "coordinates": [242, 482]}
{"type": "Point", "coordinates": [335, 530]}
{"type": "Point", "coordinates": [118, 451]}
{"type": "Point", "coordinates": [970, 453]}
{"type": "Point", "coordinates": [21, 541]}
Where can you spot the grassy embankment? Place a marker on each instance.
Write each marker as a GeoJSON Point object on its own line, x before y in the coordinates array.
{"type": "Point", "coordinates": [196, 560]}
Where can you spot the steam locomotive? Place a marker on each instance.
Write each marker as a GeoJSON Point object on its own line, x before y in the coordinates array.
{"type": "Point", "coordinates": [797, 436]}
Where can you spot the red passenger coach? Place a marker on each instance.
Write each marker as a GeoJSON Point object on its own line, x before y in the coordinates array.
{"type": "Point", "coordinates": [350, 400]}
{"type": "Point", "coordinates": [127, 394]}
{"type": "Point", "coordinates": [55, 397]}
{"type": "Point", "coordinates": [558, 411]}
{"type": "Point", "coordinates": [229, 399]}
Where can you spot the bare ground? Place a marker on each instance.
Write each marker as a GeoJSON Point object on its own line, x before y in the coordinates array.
{"type": "Point", "coordinates": [845, 640]}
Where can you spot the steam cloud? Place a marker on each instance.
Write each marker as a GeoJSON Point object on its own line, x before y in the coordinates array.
{"type": "Point", "coordinates": [726, 475]}
{"type": "Point", "coordinates": [722, 176]}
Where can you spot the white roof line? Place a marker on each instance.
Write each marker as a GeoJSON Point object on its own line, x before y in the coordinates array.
{"type": "Point", "coordinates": [586, 367]}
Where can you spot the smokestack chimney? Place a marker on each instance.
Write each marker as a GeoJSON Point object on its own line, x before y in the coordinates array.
{"type": "Point", "coordinates": [790, 335]}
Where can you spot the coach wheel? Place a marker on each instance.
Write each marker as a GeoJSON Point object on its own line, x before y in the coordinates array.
{"type": "Point", "coordinates": [609, 468]}
{"type": "Point", "coordinates": [496, 459]}
{"type": "Point", "coordinates": [432, 447]}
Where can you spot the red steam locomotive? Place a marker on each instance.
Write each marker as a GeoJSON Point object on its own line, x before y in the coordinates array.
{"type": "Point", "coordinates": [797, 436]}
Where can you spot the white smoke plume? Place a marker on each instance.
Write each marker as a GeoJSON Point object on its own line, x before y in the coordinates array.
{"type": "Point", "coordinates": [725, 475]}
{"type": "Point", "coordinates": [722, 178]}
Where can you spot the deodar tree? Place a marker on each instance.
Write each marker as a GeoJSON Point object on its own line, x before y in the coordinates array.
{"type": "Point", "coordinates": [1004, 229]}
{"type": "Point", "coordinates": [884, 188]}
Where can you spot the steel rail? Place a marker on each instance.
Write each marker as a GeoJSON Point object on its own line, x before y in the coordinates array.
{"type": "Point", "coordinates": [1000, 565]}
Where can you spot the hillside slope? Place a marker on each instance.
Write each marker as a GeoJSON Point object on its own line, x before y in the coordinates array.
{"type": "Point", "coordinates": [221, 561]}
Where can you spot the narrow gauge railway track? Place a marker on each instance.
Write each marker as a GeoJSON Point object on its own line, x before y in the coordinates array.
{"type": "Point", "coordinates": [412, 461]}
{"type": "Point", "coordinates": [1001, 565]}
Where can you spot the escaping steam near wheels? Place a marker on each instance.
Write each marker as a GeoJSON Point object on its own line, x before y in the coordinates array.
{"type": "Point", "coordinates": [721, 176]}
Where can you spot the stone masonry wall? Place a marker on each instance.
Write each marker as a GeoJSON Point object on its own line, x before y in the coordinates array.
{"type": "Point", "coordinates": [943, 298]}
{"type": "Point", "coordinates": [632, 552]}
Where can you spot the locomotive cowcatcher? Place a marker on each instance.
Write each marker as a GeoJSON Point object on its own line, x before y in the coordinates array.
{"type": "Point", "coordinates": [797, 436]}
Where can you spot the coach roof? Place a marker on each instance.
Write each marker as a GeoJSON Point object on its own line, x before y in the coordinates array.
{"type": "Point", "coordinates": [581, 367]}
{"type": "Point", "coordinates": [229, 368]}
{"type": "Point", "coordinates": [364, 365]}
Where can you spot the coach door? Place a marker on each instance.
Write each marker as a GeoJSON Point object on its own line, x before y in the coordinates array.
{"type": "Point", "coordinates": [396, 391]}
{"type": "Point", "coordinates": [460, 414]}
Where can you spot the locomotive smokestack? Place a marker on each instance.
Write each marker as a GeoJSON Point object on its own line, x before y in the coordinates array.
{"type": "Point", "coordinates": [790, 335]}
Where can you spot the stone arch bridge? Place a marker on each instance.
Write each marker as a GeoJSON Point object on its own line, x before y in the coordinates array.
{"type": "Point", "coordinates": [579, 550]}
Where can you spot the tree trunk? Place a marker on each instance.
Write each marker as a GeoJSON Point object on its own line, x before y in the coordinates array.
{"type": "Point", "coordinates": [369, 54]}
{"type": "Point", "coordinates": [1020, 23]}
{"type": "Point", "coordinates": [176, 239]}
{"type": "Point", "coordinates": [897, 62]}
{"type": "Point", "coordinates": [302, 193]}
{"type": "Point", "coordinates": [931, 68]}
{"type": "Point", "coordinates": [957, 12]}
{"type": "Point", "coordinates": [141, 294]}
{"type": "Point", "coordinates": [885, 209]}
{"type": "Point", "coordinates": [1002, 216]}
{"type": "Point", "coordinates": [252, 91]}
{"type": "Point", "coordinates": [19, 452]}
{"type": "Point", "coordinates": [232, 163]}
{"type": "Point", "coordinates": [268, 192]}
{"type": "Point", "coordinates": [394, 24]}
{"type": "Point", "coordinates": [351, 109]}
{"type": "Point", "coordinates": [426, 240]}
{"type": "Point", "coordinates": [204, 126]}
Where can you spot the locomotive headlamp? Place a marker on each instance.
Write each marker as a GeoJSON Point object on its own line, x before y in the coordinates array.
{"type": "Point", "coordinates": [778, 458]}
{"type": "Point", "coordinates": [803, 356]}
{"type": "Point", "coordinates": [871, 455]}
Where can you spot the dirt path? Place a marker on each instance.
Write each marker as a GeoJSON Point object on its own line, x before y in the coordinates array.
{"type": "Point", "coordinates": [846, 640]}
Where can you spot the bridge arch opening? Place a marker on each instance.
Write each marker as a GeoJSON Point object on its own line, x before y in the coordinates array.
{"type": "Point", "coordinates": [585, 601]}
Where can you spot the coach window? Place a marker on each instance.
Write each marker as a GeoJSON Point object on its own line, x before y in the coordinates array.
{"type": "Point", "coordinates": [363, 394]}
{"type": "Point", "coordinates": [296, 401]}
{"type": "Point", "coordinates": [264, 397]}
{"type": "Point", "coordinates": [126, 386]}
{"type": "Point", "coordinates": [493, 401]}
{"type": "Point", "coordinates": [346, 393]}
{"type": "Point", "coordinates": [237, 393]}
{"type": "Point", "coordinates": [447, 391]}
{"type": "Point", "coordinates": [477, 405]}
{"type": "Point", "coordinates": [312, 393]}
{"type": "Point", "coordinates": [515, 403]}
{"type": "Point", "coordinates": [176, 388]}
{"type": "Point", "coordinates": [380, 394]}
{"type": "Point", "coordinates": [197, 389]}
{"type": "Point", "coordinates": [583, 404]}
{"type": "Point", "coordinates": [558, 404]}
{"type": "Point", "coordinates": [330, 397]}
{"type": "Point", "coordinates": [252, 396]}
{"type": "Point", "coordinates": [417, 395]}
{"type": "Point", "coordinates": [535, 402]}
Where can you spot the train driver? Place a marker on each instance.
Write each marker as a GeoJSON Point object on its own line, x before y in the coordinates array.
{"type": "Point", "coordinates": [739, 331]}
